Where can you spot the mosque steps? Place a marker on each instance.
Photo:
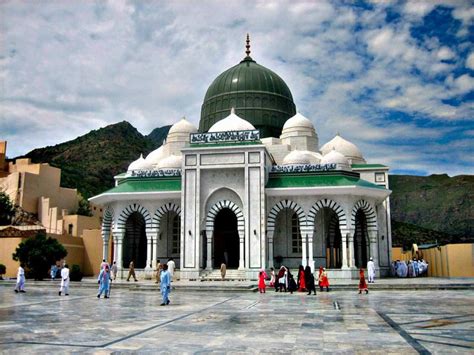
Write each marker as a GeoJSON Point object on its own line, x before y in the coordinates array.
{"type": "Point", "coordinates": [230, 275]}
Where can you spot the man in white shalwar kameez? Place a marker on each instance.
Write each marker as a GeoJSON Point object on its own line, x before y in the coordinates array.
{"type": "Point", "coordinates": [64, 280]}
{"type": "Point", "coordinates": [20, 280]}
{"type": "Point", "coordinates": [371, 270]}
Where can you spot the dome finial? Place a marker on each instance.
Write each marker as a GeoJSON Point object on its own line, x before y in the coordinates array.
{"type": "Point", "coordinates": [247, 46]}
{"type": "Point", "coordinates": [232, 111]}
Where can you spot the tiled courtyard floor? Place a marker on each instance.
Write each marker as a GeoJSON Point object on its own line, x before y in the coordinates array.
{"type": "Point", "coordinates": [40, 321]}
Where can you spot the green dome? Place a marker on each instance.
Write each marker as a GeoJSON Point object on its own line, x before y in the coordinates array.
{"type": "Point", "coordinates": [258, 95]}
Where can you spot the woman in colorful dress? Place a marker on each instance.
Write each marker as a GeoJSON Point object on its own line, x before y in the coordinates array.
{"type": "Point", "coordinates": [362, 283]}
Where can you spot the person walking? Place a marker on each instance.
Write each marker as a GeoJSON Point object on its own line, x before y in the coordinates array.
{"type": "Point", "coordinates": [171, 266]}
{"type": "Point", "coordinates": [165, 285]}
{"type": "Point", "coordinates": [159, 267]}
{"type": "Point", "coordinates": [131, 271]}
{"type": "Point", "coordinates": [301, 279]}
{"type": "Point", "coordinates": [20, 279]}
{"type": "Point", "coordinates": [64, 280]}
{"type": "Point", "coordinates": [223, 270]}
{"type": "Point", "coordinates": [104, 282]}
{"type": "Point", "coordinates": [362, 283]}
{"type": "Point", "coordinates": [309, 280]}
{"type": "Point", "coordinates": [371, 270]}
{"type": "Point", "coordinates": [114, 270]}
{"type": "Point", "coordinates": [54, 269]}
{"type": "Point", "coordinates": [282, 279]}
{"type": "Point", "coordinates": [261, 281]}
{"type": "Point", "coordinates": [323, 280]}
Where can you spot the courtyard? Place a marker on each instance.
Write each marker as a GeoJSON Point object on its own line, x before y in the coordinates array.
{"type": "Point", "coordinates": [383, 321]}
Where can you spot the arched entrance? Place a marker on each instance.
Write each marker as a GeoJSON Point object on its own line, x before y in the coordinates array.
{"type": "Point", "coordinates": [333, 240]}
{"type": "Point", "coordinates": [226, 239]}
{"type": "Point", "coordinates": [134, 242]}
{"type": "Point", "coordinates": [360, 239]}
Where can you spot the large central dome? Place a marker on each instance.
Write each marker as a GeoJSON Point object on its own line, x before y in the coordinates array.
{"type": "Point", "coordinates": [258, 94]}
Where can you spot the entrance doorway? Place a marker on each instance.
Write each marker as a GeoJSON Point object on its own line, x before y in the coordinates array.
{"type": "Point", "coordinates": [226, 239]}
{"type": "Point", "coordinates": [134, 242]}
{"type": "Point", "coordinates": [360, 240]}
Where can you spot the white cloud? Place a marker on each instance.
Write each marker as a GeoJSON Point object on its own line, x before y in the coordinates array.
{"type": "Point", "coordinates": [470, 61]}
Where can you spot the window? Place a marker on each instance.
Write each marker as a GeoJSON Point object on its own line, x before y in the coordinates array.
{"type": "Point", "coordinates": [296, 242]}
{"type": "Point", "coordinates": [69, 229]}
{"type": "Point", "coordinates": [175, 235]}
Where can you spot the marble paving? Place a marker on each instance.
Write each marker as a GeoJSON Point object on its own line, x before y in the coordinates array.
{"type": "Point", "coordinates": [388, 322]}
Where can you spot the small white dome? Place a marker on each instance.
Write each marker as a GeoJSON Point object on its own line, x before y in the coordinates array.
{"type": "Point", "coordinates": [231, 123]}
{"type": "Point", "coordinates": [138, 164]}
{"type": "Point", "coordinates": [298, 121]}
{"type": "Point", "coordinates": [343, 146]}
{"type": "Point", "coordinates": [182, 126]}
{"type": "Point", "coordinates": [334, 157]}
{"type": "Point", "coordinates": [301, 157]}
{"type": "Point", "coordinates": [155, 156]}
{"type": "Point", "coordinates": [171, 162]}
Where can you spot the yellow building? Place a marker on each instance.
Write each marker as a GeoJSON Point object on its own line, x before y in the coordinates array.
{"type": "Point", "coordinates": [36, 189]}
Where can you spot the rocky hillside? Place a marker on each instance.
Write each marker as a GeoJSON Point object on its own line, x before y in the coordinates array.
{"type": "Point", "coordinates": [90, 162]}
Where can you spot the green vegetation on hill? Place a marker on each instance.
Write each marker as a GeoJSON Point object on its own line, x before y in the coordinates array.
{"type": "Point", "coordinates": [90, 162]}
{"type": "Point", "coordinates": [437, 202]}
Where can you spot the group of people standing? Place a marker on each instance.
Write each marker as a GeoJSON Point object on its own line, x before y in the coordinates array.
{"type": "Point", "coordinates": [412, 268]}
{"type": "Point", "coordinates": [284, 281]}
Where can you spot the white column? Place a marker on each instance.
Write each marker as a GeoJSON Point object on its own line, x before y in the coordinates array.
{"type": "Point", "coordinates": [209, 235]}
{"type": "Point", "coordinates": [350, 238]}
{"type": "Point", "coordinates": [115, 248]}
{"type": "Point", "coordinates": [344, 234]}
{"type": "Point", "coordinates": [374, 250]}
{"type": "Point", "coordinates": [119, 250]}
{"type": "Point", "coordinates": [303, 233]}
{"type": "Point", "coordinates": [270, 247]}
{"type": "Point", "coordinates": [105, 246]}
{"type": "Point", "coordinates": [154, 241]}
{"type": "Point", "coordinates": [148, 251]}
{"type": "Point", "coordinates": [310, 248]}
{"type": "Point", "coordinates": [241, 250]}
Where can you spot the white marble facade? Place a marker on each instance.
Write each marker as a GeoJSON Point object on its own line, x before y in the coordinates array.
{"type": "Point", "coordinates": [227, 204]}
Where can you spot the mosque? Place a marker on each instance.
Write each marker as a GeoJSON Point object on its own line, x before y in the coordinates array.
{"type": "Point", "coordinates": [252, 188]}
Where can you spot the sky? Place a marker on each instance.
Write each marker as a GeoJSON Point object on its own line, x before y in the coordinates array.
{"type": "Point", "coordinates": [395, 78]}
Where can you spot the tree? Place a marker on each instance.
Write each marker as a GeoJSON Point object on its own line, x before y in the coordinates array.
{"type": "Point", "coordinates": [84, 208]}
{"type": "Point", "coordinates": [7, 210]}
{"type": "Point", "coordinates": [3, 271]}
{"type": "Point", "coordinates": [39, 253]}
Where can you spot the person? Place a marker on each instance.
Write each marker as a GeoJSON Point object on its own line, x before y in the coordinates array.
{"type": "Point", "coordinates": [104, 282]}
{"type": "Point", "coordinates": [131, 271]}
{"type": "Point", "coordinates": [103, 263]}
{"type": "Point", "coordinates": [64, 280]}
{"type": "Point", "coordinates": [323, 280]}
{"type": "Point", "coordinates": [54, 268]}
{"type": "Point", "coordinates": [362, 283]}
{"type": "Point", "coordinates": [301, 279]}
{"type": "Point", "coordinates": [292, 286]}
{"type": "Point", "coordinates": [272, 277]}
{"type": "Point", "coordinates": [114, 270]}
{"type": "Point", "coordinates": [282, 279]}
{"type": "Point", "coordinates": [319, 277]}
{"type": "Point", "coordinates": [416, 268]}
{"type": "Point", "coordinates": [371, 270]}
{"type": "Point", "coordinates": [309, 280]}
{"type": "Point", "coordinates": [20, 279]}
{"type": "Point", "coordinates": [171, 266]}
{"type": "Point", "coordinates": [261, 281]}
{"type": "Point", "coordinates": [410, 269]}
{"type": "Point", "coordinates": [159, 267]}
{"type": "Point", "coordinates": [223, 270]}
{"type": "Point", "coordinates": [165, 285]}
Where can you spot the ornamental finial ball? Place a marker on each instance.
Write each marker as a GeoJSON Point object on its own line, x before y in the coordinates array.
{"type": "Point", "coordinates": [248, 46]}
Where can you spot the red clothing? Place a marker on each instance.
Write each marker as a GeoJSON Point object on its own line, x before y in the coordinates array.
{"type": "Point", "coordinates": [261, 281]}
{"type": "Point", "coordinates": [302, 282]}
{"type": "Point", "coordinates": [362, 283]}
{"type": "Point", "coordinates": [323, 280]}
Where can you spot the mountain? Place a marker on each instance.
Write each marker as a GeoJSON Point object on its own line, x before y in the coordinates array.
{"type": "Point", "coordinates": [90, 162]}
{"type": "Point", "coordinates": [158, 135]}
{"type": "Point", "coordinates": [436, 203]}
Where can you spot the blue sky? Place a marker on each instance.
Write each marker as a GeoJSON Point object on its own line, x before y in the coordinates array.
{"type": "Point", "coordinates": [395, 78]}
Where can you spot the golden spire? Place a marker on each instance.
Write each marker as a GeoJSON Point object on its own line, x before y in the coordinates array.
{"type": "Point", "coordinates": [248, 46]}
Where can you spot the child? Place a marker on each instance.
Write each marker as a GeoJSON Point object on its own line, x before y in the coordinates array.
{"type": "Point", "coordinates": [362, 283]}
{"type": "Point", "coordinates": [272, 277]}
{"type": "Point", "coordinates": [261, 282]}
{"type": "Point", "coordinates": [64, 281]}
{"type": "Point", "coordinates": [20, 279]}
{"type": "Point", "coordinates": [323, 280]}
{"type": "Point", "coordinates": [291, 283]}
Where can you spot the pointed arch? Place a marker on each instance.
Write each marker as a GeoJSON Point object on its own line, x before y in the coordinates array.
{"type": "Point", "coordinates": [214, 210]}
{"type": "Point", "coordinates": [328, 204]}
{"type": "Point", "coordinates": [272, 215]}
{"type": "Point", "coordinates": [168, 207]}
{"type": "Point", "coordinates": [135, 207]}
{"type": "Point", "coordinates": [369, 212]}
